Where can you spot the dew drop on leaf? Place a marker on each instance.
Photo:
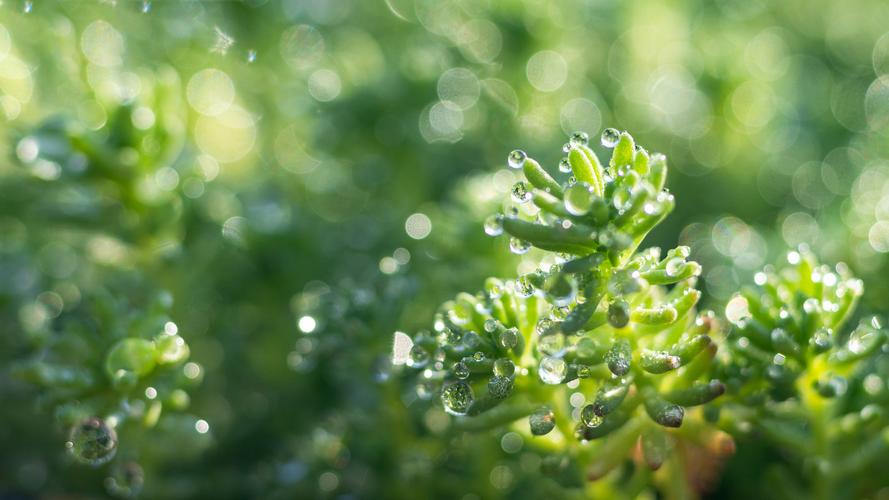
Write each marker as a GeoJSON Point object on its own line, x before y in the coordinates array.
{"type": "Point", "coordinates": [500, 386]}
{"type": "Point", "coordinates": [542, 421]}
{"type": "Point", "coordinates": [92, 442]}
{"type": "Point", "coordinates": [523, 286]}
{"type": "Point", "coordinates": [552, 370]}
{"type": "Point", "coordinates": [519, 247]}
{"type": "Point", "coordinates": [610, 137]}
{"type": "Point", "coordinates": [457, 398]}
{"type": "Point", "coordinates": [461, 371]}
{"type": "Point", "coordinates": [520, 193]}
{"type": "Point", "coordinates": [494, 225]}
{"type": "Point", "coordinates": [589, 417]}
{"type": "Point", "coordinates": [417, 357]}
{"type": "Point", "coordinates": [564, 165]}
{"type": "Point", "coordinates": [578, 199]}
{"type": "Point", "coordinates": [516, 158]}
{"type": "Point", "coordinates": [579, 139]}
{"type": "Point", "coordinates": [508, 338]}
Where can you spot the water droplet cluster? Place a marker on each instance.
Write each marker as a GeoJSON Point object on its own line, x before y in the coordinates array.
{"type": "Point", "coordinates": [134, 375]}
{"type": "Point", "coordinates": [616, 325]}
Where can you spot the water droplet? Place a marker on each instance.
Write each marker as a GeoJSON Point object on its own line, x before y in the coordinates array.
{"type": "Point", "coordinates": [494, 288]}
{"type": "Point", "coordinates": [564, 165]}
{"type": "Point", "coordinates": [494, 225]}
{"type": "Point", "coordinates": [471, 340]}
{"type": "Point", "coordinates": [552, 344]}
{"type": "Point", "coordinates": [566, 147]}
{"type": "Point", "coordinates": [509, 338]}
{"type": "Point", "coordinates": [520, 192]}
{"type": "Point", "coordinates": [584, 371]}
{"type": "Point", "coordinates": [523, 286]}
{"type": "Point", "coordinates": [504, 367]}
{"type": "Point", "coordinates": [417, 357]}
{"type": "Point", "coordinates": [516, 158]}
{"type": "Point", "coordinates": [126, 480]}
{"type": "Point", "coordinates": [579, 139]}
{"type": "Point", "coordinates": [578, 199]}
{"type": "Point", "coordinates": [28, 7]}
{"type": "Point", "coordinates": [619, 314]}
{"type": "Point", "coordinates": [478, 356]}
{"type": "Point", "coordinates": [610, 137]}
{"type": "Point", "coordinates": [146, 7]}
{"type": "Point", "coordinates": [491, 325]}
{"type": "Point", "coordinates": [552, 370]}
{"type": "Point", "coordinates": [461, 371]}
{"type": "Point", "coordinates": [457, 398]}
{"type": "Point", "coordinates": [544, 326]}
{"type": "Point", "coordinates": [589, 417]}
{"type": "Point", "coordinates": [519, 247]}
{"type": "Point", "coordinates": [92, 442]}
{"type": "Point", "coordinates": [542, 421]}
{"type": "Point", "coordinates": [674, 266]}
{"type": "Point", "coordinates": [559, 313]}
{"type": "Point", "coordinates": [251, 56]}
{"type": "Point", "coordinates": [499, 386]}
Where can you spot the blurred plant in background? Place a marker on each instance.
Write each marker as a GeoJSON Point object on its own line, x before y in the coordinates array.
{"type": "Point", "coordinates": [257, 163]}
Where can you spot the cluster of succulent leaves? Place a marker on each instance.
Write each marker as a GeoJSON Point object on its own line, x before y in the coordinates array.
{"type": "Point", "coordinates": [615, 324]}
{"type": "Point", "coordinates": [93, 337]}
{"type": "Point", "coordinates": [799, 375]}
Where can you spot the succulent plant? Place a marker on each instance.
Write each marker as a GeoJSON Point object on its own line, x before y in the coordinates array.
{"type": "Point", "coordinates": [601, 341]}
{"type": "Point", "coordinates": [801, 377]}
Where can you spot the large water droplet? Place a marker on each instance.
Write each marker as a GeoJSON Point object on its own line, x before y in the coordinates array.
{"type": "Point", "coordinates": [457, 398]}
{"type": "Point", "coordinates": [520, 192]}
{"type": "Point", "coordinates": [589, 417]}
{"type": "Point", "coordinates": [578, 199]}
{"type": "Point", "coordinates": [552, 344]}
{"type": "Point", "coordinates": [519, 247]}
{"type": "Point", "coordinates": [579, 139]}
{"type": "Point", "coordinates": [516, 158]}
{"type": "Point", "coordinates": [552, 370]}
{"type": "Point", "coordinates": [610, 137]}
{"type": "Point", "coordinates": [542, 421]}
{"type": "Point", "coordinates": [564, 165]}
{"type": "Point", "coordinates": [509, 338]}
{"type": "Point", "coordinates": [417, 357]}
{"type": "Point", "coordinates": [92, 442]}
{"type": "Point", "coordinates": [494, 225]}
{"type": "Point", "coordinates": [523, 286]}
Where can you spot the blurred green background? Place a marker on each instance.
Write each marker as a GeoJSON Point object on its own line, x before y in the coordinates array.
{"type": "Point", "coordinates": [306, 177]}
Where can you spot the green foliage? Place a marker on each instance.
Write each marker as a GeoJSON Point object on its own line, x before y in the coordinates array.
{"type": "Point", "coordinates": [804, 381]}
{"type": "Point", "coordinates": [615, 325]}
